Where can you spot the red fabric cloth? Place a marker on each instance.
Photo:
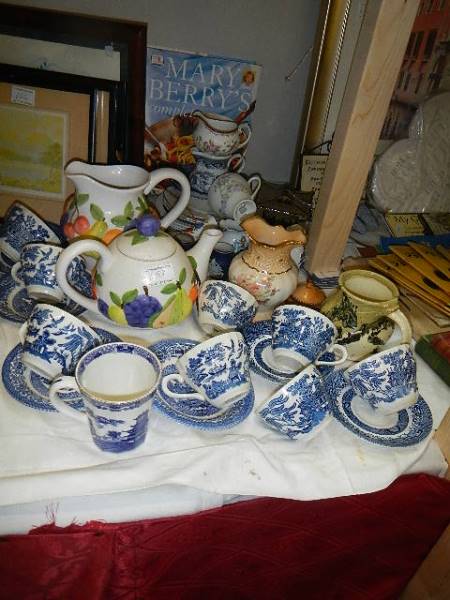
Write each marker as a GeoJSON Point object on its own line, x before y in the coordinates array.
{"type": "Point", "coordinates": [365, 546]}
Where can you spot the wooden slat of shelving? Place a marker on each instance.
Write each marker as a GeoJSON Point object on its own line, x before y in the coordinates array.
{"type": "Point", "coordinates": [378, 55]}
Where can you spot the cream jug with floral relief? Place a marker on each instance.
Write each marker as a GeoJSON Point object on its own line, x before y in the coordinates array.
{"type": "Point", "coordinates": [266, 268]}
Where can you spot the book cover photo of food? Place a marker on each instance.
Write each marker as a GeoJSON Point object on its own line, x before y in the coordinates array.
{"type": "Point", "coordinates": [180, 83]}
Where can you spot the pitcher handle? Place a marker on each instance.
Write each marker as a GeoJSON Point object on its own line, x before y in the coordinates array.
{"type": "Point", "coordinates": [254, 183]}
{"type": "Point", "coordinates": [64, 261]}
{"type": "Point", "coordinates": [65, 382]}
{"type": "Point", "coordinates": [245, 127]}
{"type": "Point", "coordinates": [162, 174]}
{"type": "Point", "coordinates": [405, 327]}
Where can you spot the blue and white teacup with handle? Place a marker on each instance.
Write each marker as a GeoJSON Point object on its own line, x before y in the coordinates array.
{"type": "Point", "coordinates": [53, 341]}
{"type": "Point", "coordinates": [36, 269]}
{"type": "Point", "coordinates": [300, 409]}
{"type": "Point", "coordinates": [386, 380]}
{"type": "Point", "coordinates": [300, 335]}
{"type": "Point", "coordinates": [224, 306]}
{"type": "Point", "coordinates": [117, 383]}
{"type": "Point", "coordinates": [217, 369]}
{"type": "Point", "coordinates": [22, 226]}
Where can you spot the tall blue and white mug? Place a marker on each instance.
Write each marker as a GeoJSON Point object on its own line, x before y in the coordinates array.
{"type": "Point", "coordinates": [117, 382]}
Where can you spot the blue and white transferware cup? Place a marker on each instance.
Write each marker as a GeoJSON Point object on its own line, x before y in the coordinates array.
{"type": "Point", "coordinates": [218, 369]}
{"type": "Point", "coordinates": [36, 269]}
{"type": "Point", "coordinates": [386, 380]}
{"type": "Point", "coordinates": [300, 409]}
{"type": "Point", "coordinates": [53, 341]}
{"type": "Point", "coordinates": [224, 306]}
{"type": "Point", "coordinates": [300, 335]}
{"type": "Point", "coordinates": [117, 382]}
{"type": "Point", "coordinates": [22, 226]}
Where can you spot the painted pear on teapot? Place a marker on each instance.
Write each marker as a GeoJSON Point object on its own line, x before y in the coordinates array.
{"type": "Point", "coordinates": [143, 278]}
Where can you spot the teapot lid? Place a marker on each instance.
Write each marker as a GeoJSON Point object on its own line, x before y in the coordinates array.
{"type": "Point", "coordinates": [147, 242]}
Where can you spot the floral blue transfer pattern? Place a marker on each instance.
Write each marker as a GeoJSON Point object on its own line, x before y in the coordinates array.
{"type": "Point", "coordinates": [300, 407]}
{"type": "Point", "coordinates": [298, 330]}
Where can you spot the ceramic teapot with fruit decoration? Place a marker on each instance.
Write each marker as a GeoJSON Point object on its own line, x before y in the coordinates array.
{"type": "Point", "coordinates": [108, 198]}
{"type": "Point", "coordinates": [143, 278]}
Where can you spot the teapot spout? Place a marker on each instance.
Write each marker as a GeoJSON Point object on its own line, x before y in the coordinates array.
{"type": "Point", "coordinates": [201, 252]}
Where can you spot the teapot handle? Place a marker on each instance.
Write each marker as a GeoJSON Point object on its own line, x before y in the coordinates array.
{"type": "Point", "coordinates": [67, 256]}
{"type": "Point", "coordinates": [158, 176]}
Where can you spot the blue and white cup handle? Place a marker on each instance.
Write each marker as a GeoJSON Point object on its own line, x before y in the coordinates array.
{"type": "Point", "coordinates": [66, 382]}
{"type": "Point", "coordinates": [15, 274]}
{"type": "Point", "coordinates": [176, 377]}
{"type": "Point", "coordinates": [23, 332]}
{"type": "Point", "coordinates": [333, 363]}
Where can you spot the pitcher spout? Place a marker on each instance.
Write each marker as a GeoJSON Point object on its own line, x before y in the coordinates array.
{"type": "Point", "coordinates": [201, 252]}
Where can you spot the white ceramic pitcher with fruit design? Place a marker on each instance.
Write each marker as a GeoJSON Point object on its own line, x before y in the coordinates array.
{"type": "Point", "coordinates": [108, 198]}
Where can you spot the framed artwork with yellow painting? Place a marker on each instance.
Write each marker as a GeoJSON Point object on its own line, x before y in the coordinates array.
{"type": "Point", "coordinates": [33, 151]}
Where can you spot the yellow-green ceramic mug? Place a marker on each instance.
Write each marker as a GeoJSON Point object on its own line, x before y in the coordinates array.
{"type": "Point", "coordinates": [365, 310]}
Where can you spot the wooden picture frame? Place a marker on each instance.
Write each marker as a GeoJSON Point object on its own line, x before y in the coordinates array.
{"type": "Point", "coordinates": [128, 38]}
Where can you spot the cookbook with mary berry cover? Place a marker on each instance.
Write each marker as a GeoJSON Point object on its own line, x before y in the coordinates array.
{"type": "Point", "coordinates": [179, 83]}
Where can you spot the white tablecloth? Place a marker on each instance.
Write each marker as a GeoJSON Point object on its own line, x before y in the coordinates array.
{"type": "Point", "coordinates": [48, 461]}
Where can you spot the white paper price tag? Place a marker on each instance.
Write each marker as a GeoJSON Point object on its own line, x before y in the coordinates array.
{"type": "Point", "coordinates": [20, 95]}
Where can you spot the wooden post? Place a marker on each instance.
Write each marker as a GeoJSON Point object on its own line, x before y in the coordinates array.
{"type": "Point", "coordinates": [378, 56]}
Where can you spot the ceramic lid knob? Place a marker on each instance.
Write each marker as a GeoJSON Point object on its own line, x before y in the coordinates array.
{"type": "Point", "coordinates": [307, 294]}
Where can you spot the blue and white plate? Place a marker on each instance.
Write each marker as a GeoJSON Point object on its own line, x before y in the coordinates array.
{"type": "Point", "coordinates": [194, 413]}
{"type": "Point", "coordinates": [258, 337]}
{"type": "Point", "coordinates": [405, 428]}
{"type": "Point", "coordinates": [31, 389]}
{"type": "Point", "coordinates": [16, 306]}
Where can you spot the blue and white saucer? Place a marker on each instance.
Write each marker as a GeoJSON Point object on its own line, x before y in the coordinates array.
{"type": "Point", "coordinates": [16, 305]}
{"type": "Point", "coordinates": [194, 413]}
{"type": "Point", "coordinates": [31, 389]}
{"type": "Point", "coordinates": [405, 428]}
{"type": "Point", "coordinates": [258, 337]}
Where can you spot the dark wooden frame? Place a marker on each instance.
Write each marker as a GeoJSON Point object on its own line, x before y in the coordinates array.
{"type": "Point", "coordinates": [128, 38]}
{"type": "Point", "coordinates": [67, 82]}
